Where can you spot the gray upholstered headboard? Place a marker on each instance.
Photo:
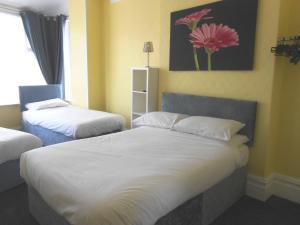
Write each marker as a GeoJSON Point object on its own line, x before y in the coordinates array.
{"type": "Point", "coordinates": [239, 110]}
{"type": "Point", "coordinates": [28, 94]}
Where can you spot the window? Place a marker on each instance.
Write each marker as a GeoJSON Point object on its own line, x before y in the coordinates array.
{"type": "Point", "coordinates": [18, 64]}
{"type": "Point", "coordinates": [66, 38]}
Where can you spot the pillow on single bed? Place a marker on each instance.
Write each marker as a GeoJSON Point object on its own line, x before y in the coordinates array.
{"type": "Point", "coordinates": [210, 127]}
{"type": "Point", "coordinates": [164, 120]}
{"type": "Point", "coordinates": [51, 103]}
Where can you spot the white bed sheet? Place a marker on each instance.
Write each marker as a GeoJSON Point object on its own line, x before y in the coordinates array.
{"type": "Point", "coordinates": [128, 178]}
{"type": "Point", "coordinates": [13, 143]}
{"type": "Point", "coordinates": [74, 121]}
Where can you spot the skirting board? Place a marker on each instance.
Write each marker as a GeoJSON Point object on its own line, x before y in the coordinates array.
{"type": "Point", "coordinates": [277, 184]}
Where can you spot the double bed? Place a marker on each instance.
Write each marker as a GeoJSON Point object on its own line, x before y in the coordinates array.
{"type": "Point", "coordinates": [61, 124]}
{"type": "Point", "coordinates": [142, 176]}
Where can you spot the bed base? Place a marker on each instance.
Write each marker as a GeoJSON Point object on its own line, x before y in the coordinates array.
{"type": "Point", "coordinates": [201, 210]}
{"type": "Point", "coordinates": [47, 136]}
{"type": "Point", "coordinates": [10, 175]}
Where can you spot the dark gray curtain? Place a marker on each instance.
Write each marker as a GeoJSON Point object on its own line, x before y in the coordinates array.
{"type": "Point", "coordinates": [45, 35]}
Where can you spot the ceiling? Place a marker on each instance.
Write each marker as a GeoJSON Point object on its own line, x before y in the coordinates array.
{"type": "Point", "coordinates": [47, 7]}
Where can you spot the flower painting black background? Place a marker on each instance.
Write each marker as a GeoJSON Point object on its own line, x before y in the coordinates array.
{"type": "Point", "coordinates": [217, 36]}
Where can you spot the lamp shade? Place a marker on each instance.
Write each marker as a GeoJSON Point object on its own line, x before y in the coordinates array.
{"type": "Point", "coordinates": [148, 47]}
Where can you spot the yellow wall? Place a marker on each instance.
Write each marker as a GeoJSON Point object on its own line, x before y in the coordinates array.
{"type": "Point", "coordinates": [95, 49]}
{"type": "Point", "coordinates": [276, 105]}
{"type": "Point", "coordinates": [128, 24]}
{"type": "Point", "coordinates": [287, 157]}
{"type": "Point", "coordinates": [78, 52]}
{"type": "Point", "coordinates": [10, 116]}
{"type": "Point", "coordinates": [87, 70]}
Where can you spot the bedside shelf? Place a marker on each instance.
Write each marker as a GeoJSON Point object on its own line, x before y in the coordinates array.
{"type": "Point", "coordinates": [144, 91]}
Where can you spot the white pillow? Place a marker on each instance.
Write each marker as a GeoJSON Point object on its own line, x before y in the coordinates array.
{"type": "Point", "coordinates": [215, 128]}
{"type": "Point", "coordinates": [158, 119]}
{"type": "Point", "coordinates": [51, 103]}
{"type": "Point", "coordinates": [237, 140]}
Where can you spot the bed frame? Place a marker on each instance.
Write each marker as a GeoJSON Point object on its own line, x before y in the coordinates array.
{"type": "Point", "coordinates": [28, 94]}
{"type": "Point", "coordinates": [207, 206]}
{"type": "Point", "coordinates": [10, 175]}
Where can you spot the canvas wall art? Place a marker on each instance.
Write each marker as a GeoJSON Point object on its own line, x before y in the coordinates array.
{"type": "Point", "coordinates": [216, 36]}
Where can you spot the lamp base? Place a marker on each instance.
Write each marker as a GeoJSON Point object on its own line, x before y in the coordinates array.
{"type": "Point", "coordinates": [148, 60]}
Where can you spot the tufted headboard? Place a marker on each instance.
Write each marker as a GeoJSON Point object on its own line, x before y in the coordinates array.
{"type": "Point", "coordinates": [28, 94]}
{"type": "Point", "coordinates": [239, 110]}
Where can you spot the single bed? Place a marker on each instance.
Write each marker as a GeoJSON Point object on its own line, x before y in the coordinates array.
{"type": "Point", "coordinates": [175, 197]}
{"type": "Point", "coordinates": [12, 144]}
{"type": "Point", "coordinates": [61, 124]}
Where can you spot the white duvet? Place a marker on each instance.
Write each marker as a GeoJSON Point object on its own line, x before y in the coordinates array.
{"type": "Point", "coordinates": [128, 178]}
{"type": "Point", "coordinates": [74, 121]}
{"type": "Point", "coordinates": [13, 143]}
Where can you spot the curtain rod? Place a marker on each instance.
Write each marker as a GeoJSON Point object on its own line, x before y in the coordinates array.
{"type": "Point", "coordinates": [9, 9]}
{"type": "Point", "coordinates": [13, 10]}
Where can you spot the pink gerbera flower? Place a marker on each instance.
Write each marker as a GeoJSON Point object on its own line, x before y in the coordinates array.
{"type": "Point", "coordinates": [193, 18]}
{"type": "Point", "coordinates": [214, 37]}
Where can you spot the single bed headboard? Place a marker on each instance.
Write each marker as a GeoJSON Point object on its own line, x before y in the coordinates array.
{"type": "Point", "coordinates": [28, 94]}
{"type": "Point", "coordinates": [239, 110]}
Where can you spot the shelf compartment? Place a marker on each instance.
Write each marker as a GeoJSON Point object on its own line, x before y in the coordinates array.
{"type": "Point", "coordinates": [139, 102]}
{"type": "Point", "coordinates": [139, 80]}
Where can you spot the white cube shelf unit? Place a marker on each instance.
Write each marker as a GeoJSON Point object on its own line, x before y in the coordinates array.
{"type": "Point", "coordinates": [144, 91]}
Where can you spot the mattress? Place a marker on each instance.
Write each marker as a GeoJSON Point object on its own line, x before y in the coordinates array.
{"type": "Point", "coordinates": [130, 178]}
{"type": "Point", "coordinates": [13, 143]}
{"type": "Point", "coordinates": [74, 121]}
